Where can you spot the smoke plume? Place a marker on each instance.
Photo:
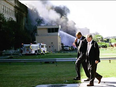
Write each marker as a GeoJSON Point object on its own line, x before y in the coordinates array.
{"type": "Point", "coordinates": [51, 15]}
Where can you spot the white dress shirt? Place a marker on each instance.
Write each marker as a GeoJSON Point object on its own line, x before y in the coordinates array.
{"type": "Point", "coordinates": [89, 46]}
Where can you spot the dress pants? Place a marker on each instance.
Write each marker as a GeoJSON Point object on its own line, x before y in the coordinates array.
{"type": "Point", "coordinates": [93, 73]}
{"type": "Point", "coordinates": [84, 63]}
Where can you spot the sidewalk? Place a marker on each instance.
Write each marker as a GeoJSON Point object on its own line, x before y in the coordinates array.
{"type": "Point", "coordinates": [106, 82]}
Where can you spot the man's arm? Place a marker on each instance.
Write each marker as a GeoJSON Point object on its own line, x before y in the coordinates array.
{"type": "Point", "coordinates": [97, 59]}
{"type": "Point", "coordinates": [77, 44]}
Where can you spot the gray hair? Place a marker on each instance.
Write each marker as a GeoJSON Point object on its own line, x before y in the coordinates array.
{"type": "Point", "coordinates": [90, 36]}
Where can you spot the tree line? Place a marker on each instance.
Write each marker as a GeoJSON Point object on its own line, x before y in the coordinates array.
{"type": "Point", "coordinates": [11, 34]}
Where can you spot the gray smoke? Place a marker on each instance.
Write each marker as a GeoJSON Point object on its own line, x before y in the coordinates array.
{"type": "Point", "coordinates": [51, 15]}
{"type": "Point", "coordinates": [62, 10]}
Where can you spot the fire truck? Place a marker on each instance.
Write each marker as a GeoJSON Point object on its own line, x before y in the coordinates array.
{"type": "Point", "coordinates": [43, 48]}
{"type": "Point", "coordinates": [38, 48]}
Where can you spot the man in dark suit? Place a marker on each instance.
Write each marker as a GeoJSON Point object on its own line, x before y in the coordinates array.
{"type": "Point", "coordinates": [81, 56]}
{"type": "Point", "coordinates": [92, 54]}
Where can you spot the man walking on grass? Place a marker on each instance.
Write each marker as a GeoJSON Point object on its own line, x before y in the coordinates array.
{"type": "Point", "coordinates": [81, 56]}
{"type": "Point", "coordinates": [92, 54]}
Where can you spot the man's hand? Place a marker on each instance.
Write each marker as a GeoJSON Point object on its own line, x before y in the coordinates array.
{"type": "Point", "coordinates": [76, 40]}
{"type": "Point", "coordinates": [96, 62]}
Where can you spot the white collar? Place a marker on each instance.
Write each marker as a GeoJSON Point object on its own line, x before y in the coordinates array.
{"type": "Point", "coordinates": [90, 41]}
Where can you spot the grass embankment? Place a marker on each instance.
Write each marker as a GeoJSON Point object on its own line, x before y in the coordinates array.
{"type": "Point", "coordinates": [49, 55]}
{"type": "Point", "coordinates": [104, 53]}
{"type": "Point", "coordinates": [32, 74]}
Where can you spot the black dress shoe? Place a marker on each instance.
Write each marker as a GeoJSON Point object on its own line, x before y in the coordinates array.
{"type": "Point", "coordinates": [99, 80]}
{"type": "Point", "coordinates": [87, 79]}
{"type": "Point", "coordinates": [90, 84]}
{"type": "Point", "coordinates": [76, 78]}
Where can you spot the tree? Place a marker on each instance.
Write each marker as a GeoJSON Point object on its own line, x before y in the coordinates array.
{"type": "Point", "coordinates": [2, 32]}
{"type": "Point", "coordinates": [98, 38]}
{"type": "Point", "coordinates": [11, 34]}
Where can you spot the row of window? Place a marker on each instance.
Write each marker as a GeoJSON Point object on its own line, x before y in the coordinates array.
{"type": "Point", "coordinates": [7, 10]}
{"type": "Point", "coordinates": [52, 30]}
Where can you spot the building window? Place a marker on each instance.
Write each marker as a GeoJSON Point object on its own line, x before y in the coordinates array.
{"type": "Point", "coordinates": [3, 8]}
{"type": "Point", "coordinates": [52, 30]}
{"type": "Point", "coordinates": [7, 10]}
{"type": "Point", "coordinates": [51, 42]}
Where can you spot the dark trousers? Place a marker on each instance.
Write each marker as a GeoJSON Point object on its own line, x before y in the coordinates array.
{"type": "Point", "coordinates": [84, 65]}
{"type": "Point", "coordinates": [93, 73]}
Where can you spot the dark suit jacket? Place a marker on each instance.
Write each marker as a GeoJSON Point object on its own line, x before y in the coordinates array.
{"type": "Point", "coordinates": [77, 44]}
{"type": "Point", "coordinates": [81, 53]}
{"type": "Point", "coordinates": [94, 52]}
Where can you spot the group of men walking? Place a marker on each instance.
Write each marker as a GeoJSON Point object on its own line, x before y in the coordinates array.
{"type": "Point", "coordinates": [88, 56]}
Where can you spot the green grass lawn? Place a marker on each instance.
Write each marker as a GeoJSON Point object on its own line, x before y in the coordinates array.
{"type": "Point", "coordinates": [32, 74]}
{"type": "Point", "coordinates": [107, 52]}
{"type": "Point", "coordinates": [104, 53]}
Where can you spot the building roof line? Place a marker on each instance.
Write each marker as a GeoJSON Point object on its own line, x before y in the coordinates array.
{"type": "Point", "coordinates": [53, 26]}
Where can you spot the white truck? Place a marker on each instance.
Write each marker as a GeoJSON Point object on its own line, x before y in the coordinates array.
{"type": "Point", "coordinates": [30, 49]}
{"type": "Point", "coordinates": [38, 48]}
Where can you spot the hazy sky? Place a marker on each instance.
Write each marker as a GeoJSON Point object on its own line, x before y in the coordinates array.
{"type": "Point", "coordinates": [98, 16]}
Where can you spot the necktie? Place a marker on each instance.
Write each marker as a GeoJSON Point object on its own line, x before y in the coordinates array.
{"type": "Point", "coordinates": [88, 47]}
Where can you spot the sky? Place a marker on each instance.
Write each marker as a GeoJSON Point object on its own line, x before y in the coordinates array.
{"type": "Point", "coordinates": [98, 16]}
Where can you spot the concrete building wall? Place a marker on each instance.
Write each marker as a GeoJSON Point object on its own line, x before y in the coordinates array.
{"type": "Point", "coordinates": [59, 43]}
{"type": "Point", "coordinates": [51, 41]}
{"type": "Point", "coordinates": [42, 31]}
